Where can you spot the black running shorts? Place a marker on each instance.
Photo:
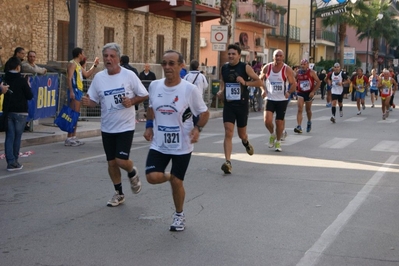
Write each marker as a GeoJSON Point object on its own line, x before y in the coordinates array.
{"type": "Point", "coordinates": [235, 112]}
{"type": "Point", "coordinates": [158, 161]}
{"type": "Point", "coordinates": [117, 145]}
{"type": "Point", "coordinates": [277, 106]}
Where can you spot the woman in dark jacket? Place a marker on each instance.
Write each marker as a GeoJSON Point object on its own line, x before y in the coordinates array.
{"type": "Point", "coordinates": [15, 104]}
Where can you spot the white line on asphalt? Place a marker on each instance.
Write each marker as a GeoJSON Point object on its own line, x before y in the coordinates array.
{"type": "Point", "coordinates": [62, 164]}
{"type": "Point", "coordinates": [387, 146]}
{"type": "Point", "coordinates": [312, 256]}
{"type": "Point", "coordinates": [338, 143]}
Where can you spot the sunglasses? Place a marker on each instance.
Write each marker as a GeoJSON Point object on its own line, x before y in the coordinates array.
{"type": "Point", "coordinates": [170, 63]}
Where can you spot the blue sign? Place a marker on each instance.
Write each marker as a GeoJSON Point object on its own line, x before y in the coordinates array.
{"type": "Point", "coordinates": [45, 96]}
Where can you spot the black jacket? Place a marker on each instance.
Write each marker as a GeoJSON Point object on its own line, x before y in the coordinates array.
{"type": "Point", "coordinates": [149, 76]}
{"type": "Point", "coordinates": [17, 101]}
{"type": "Point", "coordinates": [127, 66]}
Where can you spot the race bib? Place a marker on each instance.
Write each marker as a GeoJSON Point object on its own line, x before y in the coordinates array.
{"type": "Point", "coordinates": [304, 85]}
{"type": "Point", "coordinates": [169, 137]}
{"type": "Point", "coordinates": [233, 91]}
{"type": "Point", "coordinates": [276, 86]}
{"type": "Point", "coordinates": [385, 92]}
{"type": "Point", "coordinates": [113, 99]}
{"type": "Point", "coordinates": [360, 88]}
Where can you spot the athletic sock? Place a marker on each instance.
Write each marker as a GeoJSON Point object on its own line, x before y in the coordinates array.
{"type": "Point", "coordinates": [245, 144]}
{"type": "Point", "coordinates": [333, 110]}
{"type": "Point", "coordinates": [340, 108]}
{"type": "Point", "coordinates": [132, 173]}
{"type": "Point", "coordinates": [118, 187]}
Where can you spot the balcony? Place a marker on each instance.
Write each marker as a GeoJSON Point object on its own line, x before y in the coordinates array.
{"type": "Point", "coordinates": [281, 32]}
{"type": "Point", "coordinates": [205, 9]}
{"type": "Point", "coordinates": [256, 15]}
{"type": "Point", "coordinates": [325, 35]}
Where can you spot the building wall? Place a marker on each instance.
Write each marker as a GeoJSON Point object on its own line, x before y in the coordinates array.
{"type": "Point", "coordinates": [32, 24]}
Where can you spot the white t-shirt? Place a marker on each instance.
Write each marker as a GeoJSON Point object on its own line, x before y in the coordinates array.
{"type": "Point", "coordinates": [171, 134]}
{"type": "Point", "coordinates": [335, 80]}
{"type": "Point", "coordinates": [200, 82]}
{"type": "Point", "coordinates": [108, 90]}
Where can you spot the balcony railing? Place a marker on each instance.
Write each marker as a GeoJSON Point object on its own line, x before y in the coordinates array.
{"type": "Point", "coordinates": [253, 12]}
{"type": "Point", "coordinates": [326, 35]}
{"type": "Point", "coordinates": [211, 3]}
{"type": "Point", "coordinates": [281, 31]}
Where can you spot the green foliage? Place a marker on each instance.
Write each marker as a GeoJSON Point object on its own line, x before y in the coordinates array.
{"type": "Point", "coordinates": [326, 64]}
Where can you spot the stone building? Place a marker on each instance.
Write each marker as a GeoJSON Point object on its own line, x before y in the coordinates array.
{"type": "Point", "coordinates": [144, 29]}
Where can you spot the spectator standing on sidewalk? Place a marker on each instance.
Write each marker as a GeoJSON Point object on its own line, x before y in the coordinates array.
{"type": "Point", "coordinates": [198, 79]}
{"type": "Point", "coordinates": [19, 53]}
{"type": "Point", "coordinates": [15, 104]}
{"type": "Point", "coordinates": [147, 76]}
{"type": "Point", "coordinates": [117, 117]}
{"type": "Point", "coordinates": [30, 65]}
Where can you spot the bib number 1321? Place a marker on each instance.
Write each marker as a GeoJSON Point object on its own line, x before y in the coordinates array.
{"type": "Point", "coordinates": [171, 138]}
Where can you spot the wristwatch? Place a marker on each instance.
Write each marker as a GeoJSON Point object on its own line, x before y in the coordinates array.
{"type": "Point", "coordinates": [199, 128]}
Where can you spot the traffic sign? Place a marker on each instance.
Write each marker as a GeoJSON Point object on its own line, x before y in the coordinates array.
{"type": "Point", "coordinates": [219, 34]}
{"type": "Point", "coordinates": [218, 47]}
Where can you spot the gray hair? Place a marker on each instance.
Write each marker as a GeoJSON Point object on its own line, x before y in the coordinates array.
{"type": "Point", "coordinates": [113, 46]}
{"type": "Point", "coordinates": [180, 59]}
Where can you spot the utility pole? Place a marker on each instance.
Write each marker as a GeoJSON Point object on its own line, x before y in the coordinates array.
{"type": "Point", "coordinates": [73, 25]}
{"type": "Point", "coordinates": [193, 22]}
{"type": "Point", "coordinates": [287, 38]}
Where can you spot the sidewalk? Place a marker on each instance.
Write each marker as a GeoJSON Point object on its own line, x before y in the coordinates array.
{"type": "Point", "coordinates": [46, 132]}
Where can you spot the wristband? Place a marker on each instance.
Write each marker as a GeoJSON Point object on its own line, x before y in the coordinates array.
{"type": "Point", "coordinates": [149, 124]}
{"type": "Point", "coordinates": [95, 65]}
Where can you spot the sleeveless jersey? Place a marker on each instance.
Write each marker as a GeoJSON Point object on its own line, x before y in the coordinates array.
{"type": "Point", "coordinates": [276, 83]}
{"type": "Point", "coordinates": [77, 77]}
{"type": "Point", "coordinates": [360, 83]}
{"type": "Point", "coordinates": [373, 84]}
{"type": "Point", "coordinates": [335, 80]}
{"type": "Point", "coordinates": [305, 81]}
{"type": "Point", "coordinates": [233, 90]}
{"type": "Point", "coordinates": [386, 90]}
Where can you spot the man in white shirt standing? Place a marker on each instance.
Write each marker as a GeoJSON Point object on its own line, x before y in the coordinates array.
{"type": "Point", "coordinates": [198, 79]}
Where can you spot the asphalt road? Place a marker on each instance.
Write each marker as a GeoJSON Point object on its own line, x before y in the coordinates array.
{"type": "Point", "coordinates": [330, 198]}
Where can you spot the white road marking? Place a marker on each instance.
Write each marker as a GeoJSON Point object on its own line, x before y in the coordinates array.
{"type": "Point", "coordinates": [62, 164]}
{"type": "Point", "coordinates": [312, 255]}
{"type": "Point", "coordinates": [387, 121]}
{"type": "Point", "coordinates": [292, 139]}
{"type": "Point", "coordinates": [322, 118]}
{"type": "Point", "coordinates": [338, 143]}
{"type": "Point", "coordinates": [387, 146]}
{"type": "Point", "coordinates": [355, 119]}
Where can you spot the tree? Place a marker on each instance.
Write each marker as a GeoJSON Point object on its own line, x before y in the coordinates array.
{"type": "Point", "coordinates": [369, 24]}
{"type": "Point", "coordinates": [226, 14]}
{"type": "Point", "coordinates": [343, 20]}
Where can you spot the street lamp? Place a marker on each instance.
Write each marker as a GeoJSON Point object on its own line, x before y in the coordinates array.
{"type": "Point", "coordinates": [379, 16]}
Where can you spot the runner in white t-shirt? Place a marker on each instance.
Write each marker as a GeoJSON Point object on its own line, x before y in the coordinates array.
{"type": "Point", "coordinates": [171, 130]}
{"type": "Point", "coordinates": [117, 90]}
